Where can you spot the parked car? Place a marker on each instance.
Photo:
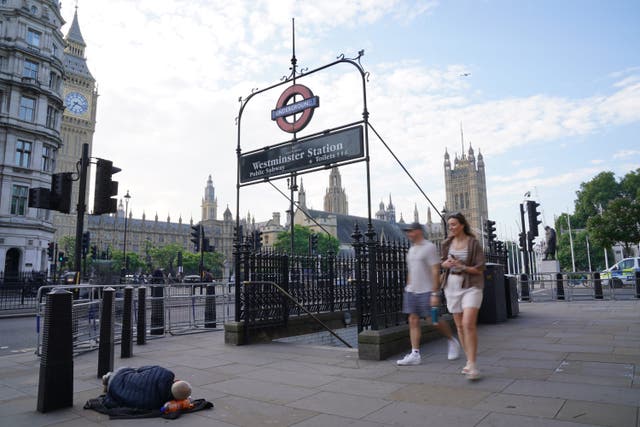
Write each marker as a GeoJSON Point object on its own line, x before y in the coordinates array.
{"type": "Point", "coordinates": [621, 273]}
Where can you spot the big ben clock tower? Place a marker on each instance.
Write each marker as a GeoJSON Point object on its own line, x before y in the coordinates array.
{"type": "Point", "coordinates": [78, 121]}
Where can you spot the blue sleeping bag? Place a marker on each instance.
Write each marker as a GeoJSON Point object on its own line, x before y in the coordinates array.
{"type": "Point", "coordinates": [147, 387]}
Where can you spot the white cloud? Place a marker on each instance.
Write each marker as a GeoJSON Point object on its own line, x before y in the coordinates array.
{"type": "Point", "coordinates": [170, 73]}
{"type": "Point", "coordinates": [624, 154]}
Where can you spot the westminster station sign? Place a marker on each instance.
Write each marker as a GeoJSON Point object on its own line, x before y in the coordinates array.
{"type": "Point", "coordinates": [334, 148]}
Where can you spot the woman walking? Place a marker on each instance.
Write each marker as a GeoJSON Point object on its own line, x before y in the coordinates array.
{"type": "Point", "coordinates": [463, 262]}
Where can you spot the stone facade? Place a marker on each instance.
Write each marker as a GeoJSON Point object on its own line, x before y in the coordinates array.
{"type": "Point", "coordinates": [31, 105]}
{"type": "Point", "coordinates": [107, 231]}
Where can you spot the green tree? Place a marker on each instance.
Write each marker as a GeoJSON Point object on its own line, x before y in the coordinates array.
{"type": "Point", "coordinates": [326, 242]}
{"type": "Point", "coordinates": [166, 257]}
{"type": "Point", "coordinates": [580, 237]}
{"type": "Point", "coordinates": [593, 195]}
{"type": "Point", "coordinates": [213, 262]}
{"type": "Point", "coordinates": [619, 223]}
{"type": "Point", "coordinates": [630, 185]}
{"type": "Point", "coordinates": [136, 263]}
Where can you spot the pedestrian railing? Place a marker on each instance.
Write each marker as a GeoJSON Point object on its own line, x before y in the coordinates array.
{"type": "Point", "coordinates": [174, 309]}
{"type": "Point", "coordinates": [576, 286]}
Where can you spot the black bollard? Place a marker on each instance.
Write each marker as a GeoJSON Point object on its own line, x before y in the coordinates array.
{"type": "Point", "coordinates": [106, 345]}
{"type": "Point", "coordinates": [560, 286]}
{"type": "Point", "coordinates": [126, 341]}
{"type": "Point", "coordinates": [597, 286]}
{"type": "Point", "coordinates": [141, 328]}
{"type": "Point", "coordinates": [210, 306]}
{"type": "Point", "coordinates": [157, 310]}
{"type": "Point", "coordinates": [524, 288]}
{"type": "Point", "coordinates": [55, 384]}
{"type": "Point", "coordinates": [637, 284]}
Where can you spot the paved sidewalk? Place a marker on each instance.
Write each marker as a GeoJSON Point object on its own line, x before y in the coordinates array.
{"type": "Point", "coordinates": [558, 364]}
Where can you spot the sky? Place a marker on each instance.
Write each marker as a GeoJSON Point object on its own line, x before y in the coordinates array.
{"type": "Point", "coordinates": [548, 91]}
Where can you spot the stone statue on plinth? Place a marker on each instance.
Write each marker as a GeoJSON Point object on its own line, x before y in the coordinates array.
{"type": "Point", "coordinates": [550, 239]}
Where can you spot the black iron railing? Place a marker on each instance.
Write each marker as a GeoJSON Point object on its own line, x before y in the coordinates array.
{"type": "Point", "coordinates": [370, 282]}
{"type": "Point", "coordinates": [18, 291]}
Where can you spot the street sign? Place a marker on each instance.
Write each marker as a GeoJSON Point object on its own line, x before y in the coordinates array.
{"type": "Point", "coordinates": [333, 148]}
{"type": "Point", "coordinates": [306, 106]}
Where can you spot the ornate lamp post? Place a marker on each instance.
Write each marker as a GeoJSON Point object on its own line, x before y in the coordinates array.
{"type": "Point", "coordinates": [126, 219]}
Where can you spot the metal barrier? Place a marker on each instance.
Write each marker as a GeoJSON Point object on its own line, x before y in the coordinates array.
{"type": "Point", "coordinates": [575, 286]}
{"type": "Point", "coordinates": [182, 309]}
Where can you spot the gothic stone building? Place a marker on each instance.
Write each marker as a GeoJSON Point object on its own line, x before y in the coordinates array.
{"type": "Point", "coordinates": [466, 188]}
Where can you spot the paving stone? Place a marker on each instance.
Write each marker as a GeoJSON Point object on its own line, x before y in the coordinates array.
{"type": "Point", "coordinates": [592, 393]}
{"type": "Point", "coordinates": [591, 379]}
{"type": "Point", "coordinates": [461, 397]}
{"type": "Point", "coordinates": [346, 405]}
{"type": "Point", "coordinates": [302, 379]}
{"type": "Point", "coordinates": [248, 412]}
{"type": "Point", "coordinates": [450, 380]}
{"type": "Point", "coordinates": [599, 413]}
{"type": "Point", "coordinates": [521, 405]}
{"type": "Point", "coordinates": [527, 363]}
{"type": "Point", "coordinates": [505, 420]}
{"type": "Point", "coordinates": [37, 419]}
{"type": "Point", "coordinates": [262, 390]}
{"type": "Point", "coordinates": [414, 415]}
{"type": "Point", "coordinates": [325, 420]}
{"type": "Point", "coordinates": [361, 387]}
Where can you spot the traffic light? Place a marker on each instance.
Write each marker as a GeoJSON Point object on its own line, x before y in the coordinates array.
{"type": "Point", "coordinates": [60, 257]}
{"type": "Point", "coordinates": [180, 259]}
{"type": "Point", "coordinates": [86, 241]}
{"type": "Point", "coordinates": [105, 188]}
{"type": "Point", "coordinates": [523, 241]}
{"type": "Point", "coordinates": [206, 245]}
{"type": "Point", "coordinates": [313, 243]}
{"type": "Point", "coordinates": [196, 235]}
{"type": "Point", "coordinates": [94, 252]}
{"type": "Point", "coordinates": [50, 250]}
{"type": "Point", "coordinates": [60, 194]}
{"type": "Point", "coordinates": [490, 229]}
{"type": "Point", "coordinates": [39, 198]}
{"type": "Point", "coordinates": [532, 212]}
{"type": "Point", "coordinates": [530, 238]}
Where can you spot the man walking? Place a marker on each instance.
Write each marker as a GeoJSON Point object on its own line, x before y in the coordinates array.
{"type": "Point", "coordinates": [423, 264]}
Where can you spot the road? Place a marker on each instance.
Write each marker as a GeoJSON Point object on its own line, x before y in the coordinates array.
{"type": "Point", "coordinates": [17, 335]}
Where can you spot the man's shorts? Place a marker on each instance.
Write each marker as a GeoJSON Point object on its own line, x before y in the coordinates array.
{"type": "Point", "coordinates": [420, 304]}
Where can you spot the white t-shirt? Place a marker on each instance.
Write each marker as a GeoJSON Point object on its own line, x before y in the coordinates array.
{"type": "Point", "coordinates": [420, 260]}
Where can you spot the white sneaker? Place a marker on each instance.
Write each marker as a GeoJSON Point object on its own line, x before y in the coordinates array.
{"type": "Point", "coordinates": [412, 358]}
{"type": "Point", "coordinates": [454, 349]}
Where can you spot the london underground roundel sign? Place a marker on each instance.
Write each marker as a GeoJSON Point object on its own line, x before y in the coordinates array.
{"type": "Point", "coordinates": [304, 108]}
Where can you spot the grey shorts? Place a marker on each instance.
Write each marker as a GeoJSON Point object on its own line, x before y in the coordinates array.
{"type": "Point", "coordinates": [419, 304]}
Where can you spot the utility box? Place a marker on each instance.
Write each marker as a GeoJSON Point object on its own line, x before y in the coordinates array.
{"type": "Point", "coordinates": [511, 295]}
{"type": "Point", "coordinates": [494, 303]}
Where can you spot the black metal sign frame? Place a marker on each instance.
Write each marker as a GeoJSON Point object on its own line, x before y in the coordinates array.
{"type": "Point", "coordinates": [292, 173]}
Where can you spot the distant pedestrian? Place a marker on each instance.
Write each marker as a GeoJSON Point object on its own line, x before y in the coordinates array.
{"type": "Point", "coordinates": [422, 292]}
{"type": "Point", "coordinates": [463, 261]}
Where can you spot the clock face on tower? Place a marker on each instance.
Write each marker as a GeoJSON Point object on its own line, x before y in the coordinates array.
{"type": "Point", "coordinates": [76, 103]}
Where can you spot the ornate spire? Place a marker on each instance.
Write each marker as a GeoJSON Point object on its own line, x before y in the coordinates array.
{"type": "Point", "coordinates": [74, 33]}
{"type": "Point", "coordinates": [415, 213]}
